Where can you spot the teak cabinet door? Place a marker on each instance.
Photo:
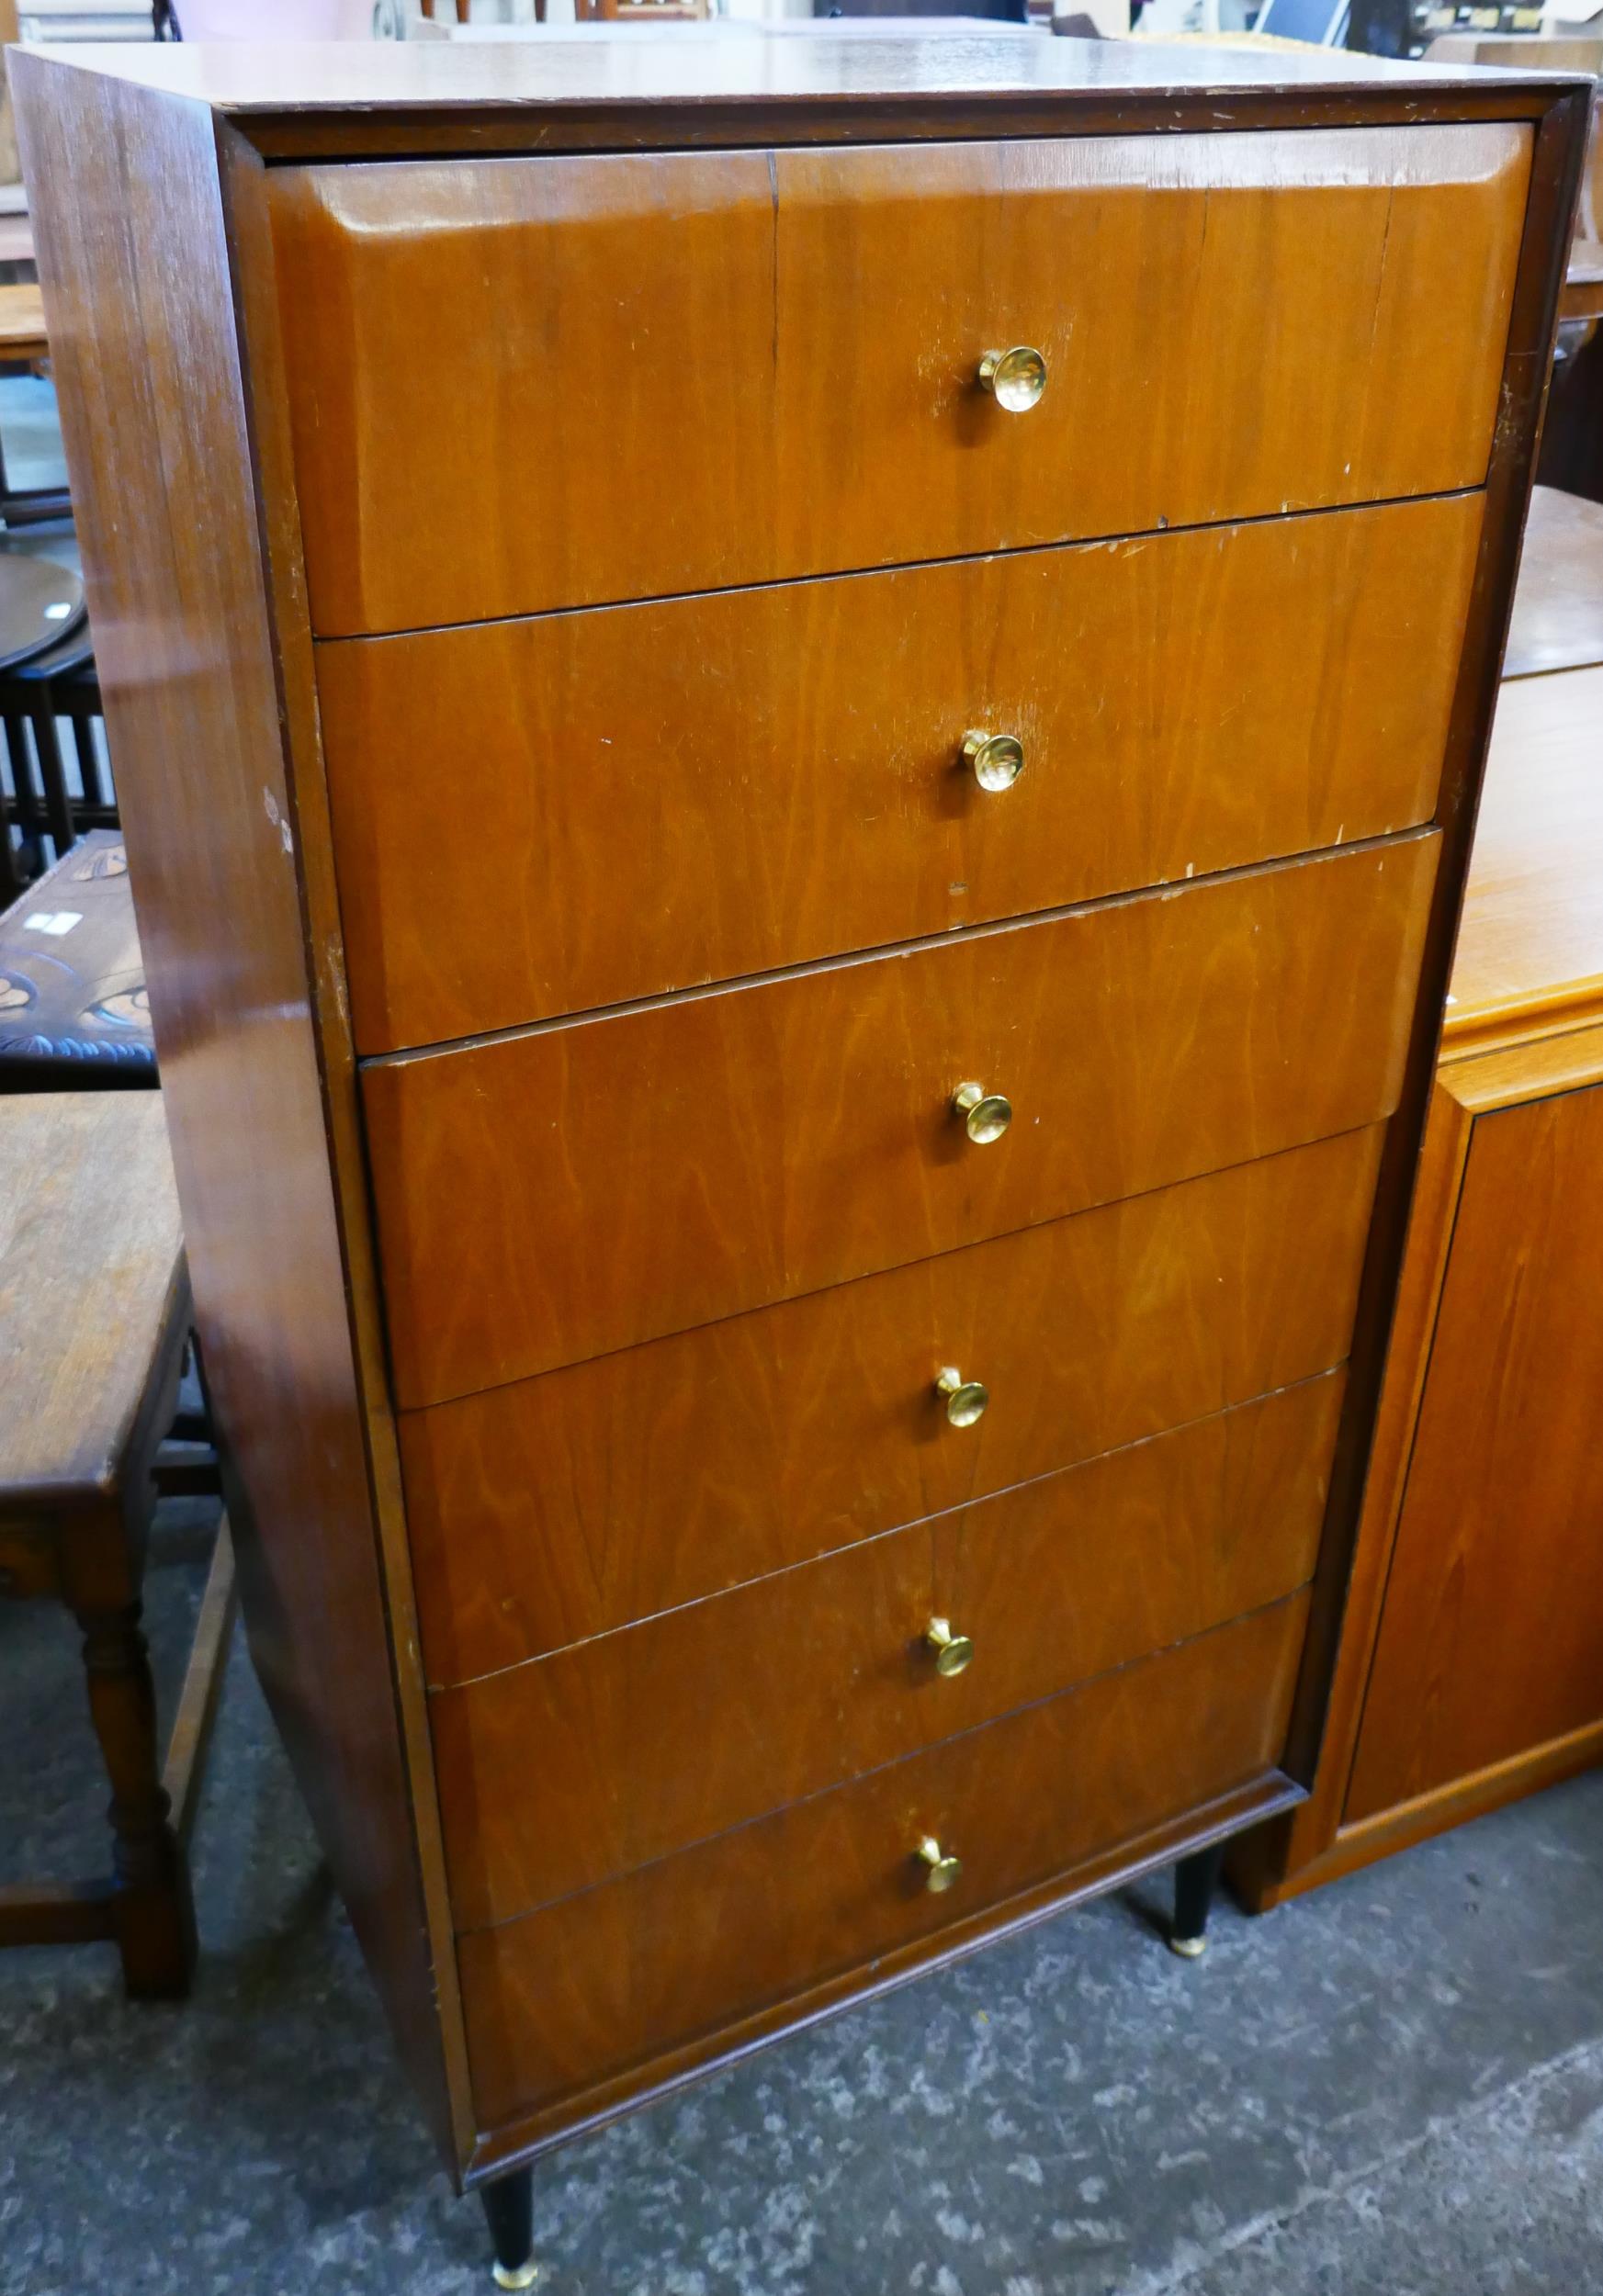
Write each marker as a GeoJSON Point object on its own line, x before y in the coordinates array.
{"type": "Point", "coordinates": [1491, 1642]}
{"type": "Point", "coordinates": [1233, 325]}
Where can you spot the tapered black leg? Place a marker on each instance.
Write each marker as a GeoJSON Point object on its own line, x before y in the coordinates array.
{"type": "Point", "coordinates": [509, 2206]}
{"type": "Point", "coordinates": [1195, 1879]}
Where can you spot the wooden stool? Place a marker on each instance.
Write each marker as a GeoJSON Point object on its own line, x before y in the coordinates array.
{"type": "Point", "coordinates": [94, 1323]}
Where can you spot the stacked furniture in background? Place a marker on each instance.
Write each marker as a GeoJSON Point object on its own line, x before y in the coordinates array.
{"type": "Point", "coordinates": [795, 1289]}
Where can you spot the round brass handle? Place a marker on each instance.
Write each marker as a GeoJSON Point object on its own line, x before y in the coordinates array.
{"type": "Point", "coordinates": [941, 1869]}
{"type": "Point", "coordinates": [965, 1399]}
{"type": "Point", "coordinates": [997, 759]}
{"type": "Point", "coordinates": [986, 1115]}
{"type": "Point", "coordinates": [952, 1652]}
{"type": "Point", "coordinates": [1014, 378]}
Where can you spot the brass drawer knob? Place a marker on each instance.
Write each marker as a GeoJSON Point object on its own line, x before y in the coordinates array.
{"type": "Point", "coordinates": [986, 1115]}
{"type": "Point", "coordinates": [965, 1399]}
{"type": "Point", "coordinates": [952, 1652]}
{"type": "Point", "coordinates": [997, 759]}
{"type": "Point", "coordinates": [941, 1869]}
{"type": "Point", "coordinates": [1014, 378]}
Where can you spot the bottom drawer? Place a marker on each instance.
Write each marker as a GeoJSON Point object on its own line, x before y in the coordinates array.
{"type": "Point", "coordinates": [559, 1775]}
{"type": "Point", "coordinates": [562, 1999]}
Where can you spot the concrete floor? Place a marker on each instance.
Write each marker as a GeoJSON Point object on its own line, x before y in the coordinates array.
{"type": "Point", "coordinates": [1396, 2086]}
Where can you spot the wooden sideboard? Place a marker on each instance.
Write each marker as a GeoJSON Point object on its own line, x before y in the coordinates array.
{"type": "Point", "coordinates": [796, 960]}
{"type": "Point", "coordinates": [1471, 1660]}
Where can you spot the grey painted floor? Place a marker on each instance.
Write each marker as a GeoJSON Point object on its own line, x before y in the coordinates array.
{"type": "Point", "coordinates": [1396, 2086]}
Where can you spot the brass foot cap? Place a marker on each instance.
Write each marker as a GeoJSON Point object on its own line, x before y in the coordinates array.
{"type": "Point", "coordinates": [515, 2275]}
{"type": "Point", "coordinates": [1189, 1948]}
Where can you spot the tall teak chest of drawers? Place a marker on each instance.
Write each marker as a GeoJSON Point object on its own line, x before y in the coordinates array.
{"type": "Point", "coordinates": [799, 720]}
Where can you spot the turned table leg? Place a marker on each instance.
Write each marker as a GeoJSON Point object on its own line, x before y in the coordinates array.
{"type": "Point", "coordinates": [1195, 1879]}
{"type": "Point", "coordinates": [509, 2207]}
{"type": "Point", "coordinates": [156, 1914]}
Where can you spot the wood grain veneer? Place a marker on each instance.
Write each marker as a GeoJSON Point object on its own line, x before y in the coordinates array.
{"type": "Point", "coordinates": [1352, 289]}
{"type": "Point", "coordinates": [1492, 1644]}
{"type": "Point", "coordinates": [614, 1976]}
{"type": "Point", "coordinates": [558, 1508]}
{"type": "Point", "coordinates": [660, 795]}
{"type": "Point", "coordinates": [817, 1675]}
{"type": "Point", "coordinates": [715, 1153]}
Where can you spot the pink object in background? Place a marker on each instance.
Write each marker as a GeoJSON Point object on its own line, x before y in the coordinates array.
{"type": "Point", "coordinates": [276, 19]}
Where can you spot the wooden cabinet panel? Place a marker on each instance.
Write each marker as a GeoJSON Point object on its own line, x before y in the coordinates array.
{"type": "Point", "coordinates": [545, 1197]}
{"type": "Point", "coordinates": [609, 1978]}
{"type": "Point", "coordinates": [1491, 1641]}
{"type": "Point", "coordinates": [560, 1507]}
{"type": "Point", "coordinates": [565, 1772]}
{"type": "Point", "coordinates": [651, 797]}
{"type": "Point", "coordinates": [678, 371]}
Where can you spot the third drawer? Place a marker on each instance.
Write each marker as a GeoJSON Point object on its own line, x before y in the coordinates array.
{"type": "Point", "coordinates": [549, 1196]}
{"type": "Point", "coordinates": [572, 1769]}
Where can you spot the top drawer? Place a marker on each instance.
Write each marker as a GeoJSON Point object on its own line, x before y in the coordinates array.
{"type": "Point", "coordinates": [680, 372]}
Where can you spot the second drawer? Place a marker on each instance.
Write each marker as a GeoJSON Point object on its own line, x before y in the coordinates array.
{"type": "Point", "coordinates": [656, 796]}
{"type": "Point", "coordinates": [550, 1196]}
{"type": "Point", "coordinates": [574, 1768]}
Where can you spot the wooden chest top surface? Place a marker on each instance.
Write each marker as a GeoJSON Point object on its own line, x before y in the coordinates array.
{"type": "Point", "coordinates": [724, 84]}
{"type": "Point", "coordinates": [703, 63]}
